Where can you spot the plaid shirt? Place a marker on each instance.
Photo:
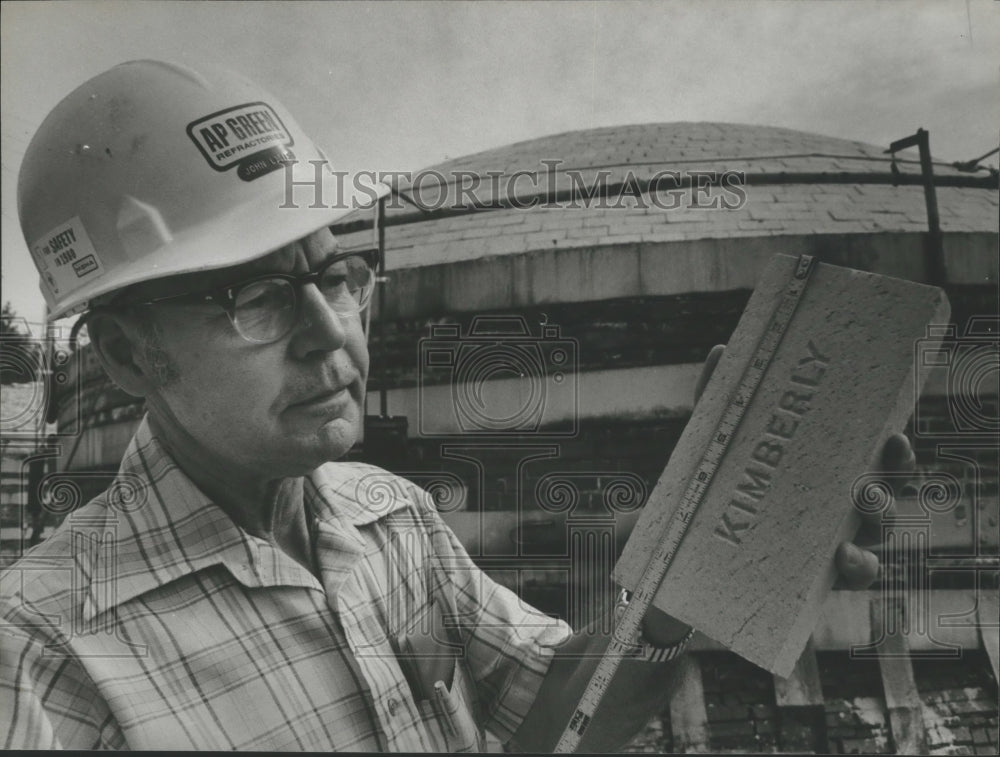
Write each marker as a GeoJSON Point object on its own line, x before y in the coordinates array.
{"type": "Point", "coordinates": [150, 620]}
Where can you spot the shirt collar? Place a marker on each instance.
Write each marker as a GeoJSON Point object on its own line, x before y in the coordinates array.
{"type": "Point", "coordinates": [154, 526]}
{"type": "Point", "coordinates": [356, 493]}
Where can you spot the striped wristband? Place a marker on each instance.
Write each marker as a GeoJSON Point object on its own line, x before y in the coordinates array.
{"type": "Point", "coordinates": [645, 650]}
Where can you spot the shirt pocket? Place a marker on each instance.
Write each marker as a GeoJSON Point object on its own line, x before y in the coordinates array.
{"type": "Point", "coordinates": [431, 661]}
{"type": "Point", "coordinates": [449, 714]}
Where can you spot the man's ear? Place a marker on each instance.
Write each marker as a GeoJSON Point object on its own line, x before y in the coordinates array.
{"type": "Point", "coordinates": [120, 353]}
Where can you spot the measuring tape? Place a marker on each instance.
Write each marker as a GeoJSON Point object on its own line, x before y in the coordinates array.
{"type": "Point", "coordinates": [628, 626]}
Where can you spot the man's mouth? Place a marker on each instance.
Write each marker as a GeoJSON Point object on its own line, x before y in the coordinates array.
{"type": "Point", "coordinates": [325, 400]}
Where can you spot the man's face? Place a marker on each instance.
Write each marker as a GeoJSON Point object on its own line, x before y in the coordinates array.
{"type": "Point", "coordinates": [279, 409]}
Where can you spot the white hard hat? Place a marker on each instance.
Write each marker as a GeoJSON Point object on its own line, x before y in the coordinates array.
{"type": "Point", "coordinates": [151, 169]}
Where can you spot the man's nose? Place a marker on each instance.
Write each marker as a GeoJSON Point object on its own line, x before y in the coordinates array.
{"type": "Point", "coordinates": [321, 328]}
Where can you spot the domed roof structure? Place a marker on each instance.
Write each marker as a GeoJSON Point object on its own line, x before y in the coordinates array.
{"type": "Point", "coordinates": [707, 144]}
{"type": "Point", "coordinates": [646, 186]}
{"type": "Point", "coordinates": [765, 155]}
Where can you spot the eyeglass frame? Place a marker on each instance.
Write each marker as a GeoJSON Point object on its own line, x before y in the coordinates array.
{"type": "Point", "coordinates": [225, 296]}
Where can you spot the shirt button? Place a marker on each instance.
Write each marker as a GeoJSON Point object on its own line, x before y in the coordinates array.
{"type": "Point", "coordinates": [393, 706]}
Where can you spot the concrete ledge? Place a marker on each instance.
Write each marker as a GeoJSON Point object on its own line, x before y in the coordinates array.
{"type": "Point", "coordinates": [845, 622]}
{"type": "Point", "coordinates": [631, 393]}
{"type": "Point", "coordinates": [525, 278]}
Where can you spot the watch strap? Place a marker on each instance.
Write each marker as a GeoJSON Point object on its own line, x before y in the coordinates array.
{"type": "Point", "coordinates": [646, 650]}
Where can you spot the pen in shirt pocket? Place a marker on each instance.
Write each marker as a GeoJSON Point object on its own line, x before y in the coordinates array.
{"type": "Point", "coordinates": [459, 725]}
{"type": "Point", "coordinates": [428, 661]}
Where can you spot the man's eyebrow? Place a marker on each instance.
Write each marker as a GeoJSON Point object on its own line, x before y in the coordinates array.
{"type": "Point", "coordinates": [335, 252]}
{"type": "Point", "coordinates": [272, 264]}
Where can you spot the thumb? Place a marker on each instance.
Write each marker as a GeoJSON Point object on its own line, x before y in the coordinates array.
{"type": "Point", "coordinates": [706, 371]}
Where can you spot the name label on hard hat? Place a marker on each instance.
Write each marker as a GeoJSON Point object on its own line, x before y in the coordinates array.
{"type": "Point", "coordinates": [250, 136]}
{"type": "Point", "coordinates": [66, 258]}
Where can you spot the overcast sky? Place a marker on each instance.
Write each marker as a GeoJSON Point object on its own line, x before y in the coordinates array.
{"type": "Point", "coordinates": [399, 86]}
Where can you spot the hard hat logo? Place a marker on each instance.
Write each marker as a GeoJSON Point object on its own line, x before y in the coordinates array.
{"type": "Point", "coordinates": [66, 257]}
{"type": "Point", "coordinates": [251, 136]}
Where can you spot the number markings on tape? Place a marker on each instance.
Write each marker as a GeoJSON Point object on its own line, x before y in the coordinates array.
{"type": "Point", "coordinates": [627, 629]}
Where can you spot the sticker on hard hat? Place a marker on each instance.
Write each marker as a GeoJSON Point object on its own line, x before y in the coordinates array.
{"type": "Point", "coordinates": [65, 257]}
{"type": "Point", "coordinates": [250, 136]}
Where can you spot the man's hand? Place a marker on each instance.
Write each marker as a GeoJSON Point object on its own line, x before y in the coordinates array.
{"type": "Point", "coordinates": [858, 567]}
{"type": "Point", "coordinates": [641, 688]}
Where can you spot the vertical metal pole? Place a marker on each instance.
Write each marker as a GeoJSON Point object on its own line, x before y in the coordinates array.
{"type": "Point", "coordinates": [46, 376]}
{"type": "Point", "coordinates": [380, 230]}
{"type": "Point", "coordinates": [934, 251]}
{"type": "Point", "coordinates": [933, 241]}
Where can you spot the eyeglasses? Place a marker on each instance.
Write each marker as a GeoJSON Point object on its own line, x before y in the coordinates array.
{"type": "Point", "coordinates": [265, 308]}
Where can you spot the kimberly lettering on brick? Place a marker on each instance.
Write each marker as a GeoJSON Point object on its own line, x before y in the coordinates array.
{"type": "Point", "coordinates": [745, 503]}
{"type": "Point", "coordinates": [758, 557]}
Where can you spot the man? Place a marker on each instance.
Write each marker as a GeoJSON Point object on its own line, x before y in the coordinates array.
{"type": "Point", "coordinates": [235, 588]}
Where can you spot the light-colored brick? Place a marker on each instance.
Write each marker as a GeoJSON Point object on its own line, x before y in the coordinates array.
{"type": "Point", "coordinates": [591, 232]}
{"type": "Point", "coordinates": [504, 219]}
{"type": "Point", "coordinates": [757, 561]}
{"type": "Point", "coordinates": [620, 239]}
{"type": "Point", "coordinates": [477, 233]}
